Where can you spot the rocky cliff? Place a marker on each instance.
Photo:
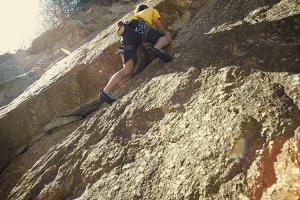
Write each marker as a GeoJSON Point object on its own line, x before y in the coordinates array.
{"type": "Point", "coordinates": [20, 70]}
{"type": "Point", "coordinates": [221, 121]}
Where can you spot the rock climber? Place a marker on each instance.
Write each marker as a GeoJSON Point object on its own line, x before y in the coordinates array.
{"type": "Point", "coordinates": [134, 32]}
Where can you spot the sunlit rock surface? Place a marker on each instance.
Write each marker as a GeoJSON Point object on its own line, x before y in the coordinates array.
{"type": "Point", "coordinates": [65, 87]}
{"type": "Point", "coordinates": [287, 172]}
{"type": "Point", "coordinates": [73, 80]}
{"type": "Point", "coordinates": [275, 174]}
{"type": "Point", "coordinates": [221, 121]}
{"type": "Point", "coordinates": [20, 70]}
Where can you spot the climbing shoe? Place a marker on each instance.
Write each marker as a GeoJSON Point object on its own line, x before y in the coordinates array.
{"type": "Point", "coordinates": [159, 53]}
{"type": "Point", "coordinates": [106, 97]}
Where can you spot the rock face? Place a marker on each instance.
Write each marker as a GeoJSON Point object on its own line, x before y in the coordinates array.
{"type": "Point", "coordinates": [20, 70]}
{"type": "Point", "coordinates": [221, 121]}
{"type": "Point", "coordinates": [275, 172]}
{"type": "Point", "coordinates": [287, 172]}
{"type": "Point", "coordinates": [10, 176]}
{"type": "Point", "coordinates": [73, 80]}
{"type": "Point", "coordinates": [94, 16]}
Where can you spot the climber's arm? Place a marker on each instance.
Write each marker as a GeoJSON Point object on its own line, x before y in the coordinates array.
{"type": "Point", "coordinates": [158, 24]}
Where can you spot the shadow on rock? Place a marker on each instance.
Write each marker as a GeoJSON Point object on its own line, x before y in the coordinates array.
{"type": "Point", "coordinates": [268, 46]}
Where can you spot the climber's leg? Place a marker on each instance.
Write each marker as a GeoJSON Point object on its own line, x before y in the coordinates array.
{"type": "Point", "coordinates": [163, 41]}
{"type": "Point", "coordinates": [129, 59]}
{"type": "Point", "coordinates": [119, 76]}
{"type": "Point", "coordinates": [158, 41]}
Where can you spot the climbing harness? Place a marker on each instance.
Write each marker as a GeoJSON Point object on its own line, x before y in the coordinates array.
{"type": "Point", "coordinates": [142, 29]}
{"type": "Point", "coordinates": [123, 48]}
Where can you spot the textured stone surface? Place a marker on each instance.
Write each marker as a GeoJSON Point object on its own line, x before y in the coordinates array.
{"type": "Point", "coordinates": [68, 84]}
{"type": "Point", "coordinates": [287, 172]}
{"type": "Point", "coordinates": [20, 70]}
{"type": "Point", "coordinates": [93, 16]}
{"type": "Point", "coordinates": [34, 151]}
{"type": "Point", "coordinates": [221, 121]}
{"type": "Point", "coordinates": [275, 172]}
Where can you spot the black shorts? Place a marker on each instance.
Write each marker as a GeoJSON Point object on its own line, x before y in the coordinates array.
{"type": "Point", "coordinates": [154, 35]}
{"type": "Point", "coordinates": [127, 54]}
{"type": "Point", "coordinates": [130, 37]}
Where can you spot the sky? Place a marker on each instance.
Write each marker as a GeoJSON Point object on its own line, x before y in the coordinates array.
{"type": "Point", "coordinates": [18, 23]}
